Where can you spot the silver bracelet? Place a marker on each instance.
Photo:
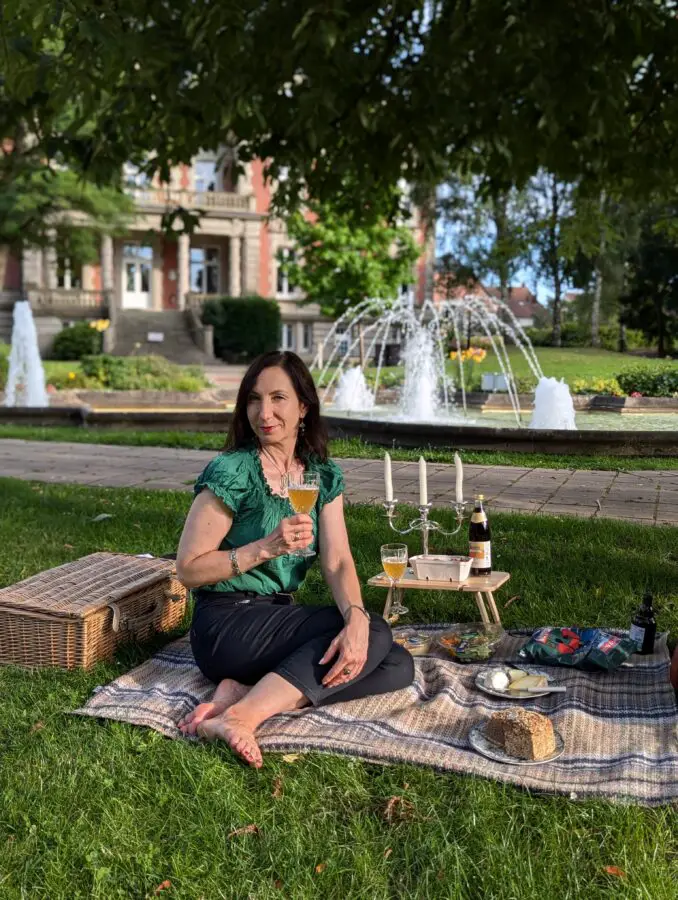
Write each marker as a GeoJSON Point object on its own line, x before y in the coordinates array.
{"type": "Point", "coordinates": [361, 608]}
{"type": "Point", "coordinates": [233, 556]}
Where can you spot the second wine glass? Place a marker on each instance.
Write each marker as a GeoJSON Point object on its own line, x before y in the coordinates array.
{"type": "Point", "coordinates": [302, 491]}
{"type": "Point", "coordinates": [394, 560]}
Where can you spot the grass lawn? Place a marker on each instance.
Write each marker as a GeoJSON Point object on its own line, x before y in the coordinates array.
{"type": "Point", "coordinates": [105, 810]}
{"type": "Point", "coordinates": [353, 448]}
{"type": "Point", "coordinates": [569, 363]}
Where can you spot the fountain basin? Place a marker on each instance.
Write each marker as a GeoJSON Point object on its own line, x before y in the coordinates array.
{"type": "Point", "coordinates": [586, 442]}
{"type": "Point", "coordinates": [629, 434]}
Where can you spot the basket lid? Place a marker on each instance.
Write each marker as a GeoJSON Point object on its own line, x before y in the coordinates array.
{"type": "Point", "coordinates": [78, 588]}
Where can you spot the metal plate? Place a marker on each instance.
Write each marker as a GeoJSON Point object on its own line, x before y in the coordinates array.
{"type": "Point", "coordinates": [484, 674]}
{"type": "Point", "coordinates": [491, 750]}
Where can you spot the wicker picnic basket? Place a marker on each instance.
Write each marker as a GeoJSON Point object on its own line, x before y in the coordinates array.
{"type": "Point", "coordinates": [75, 615]}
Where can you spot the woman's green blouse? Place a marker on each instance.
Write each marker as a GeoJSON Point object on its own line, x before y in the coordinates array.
{"type": "Point", "coordinates": [237, 478]}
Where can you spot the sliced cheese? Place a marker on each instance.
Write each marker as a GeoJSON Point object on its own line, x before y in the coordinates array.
{"type": "Point", "coordinates": [515, 674]}
{"type": "Point", "coordinates": [529, 681]}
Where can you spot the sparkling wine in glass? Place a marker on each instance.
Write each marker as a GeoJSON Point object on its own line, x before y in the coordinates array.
{"type": "Point", "coordinates": [394, 560]}
{"type": "Point", "coordinates": [302, 491]}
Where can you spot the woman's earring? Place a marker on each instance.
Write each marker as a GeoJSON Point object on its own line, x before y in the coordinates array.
{"type": "Point", "coordinates": [302, 426]}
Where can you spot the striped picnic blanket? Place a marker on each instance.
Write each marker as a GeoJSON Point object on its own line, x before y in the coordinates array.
{"type": "Point", "coordinates": [620, 729]}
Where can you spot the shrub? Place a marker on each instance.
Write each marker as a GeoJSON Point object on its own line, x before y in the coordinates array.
{"type": "Point", "coordinates": [595, 385]}
{"type": "Point", "coordinates": [76, 341]}
{"type": "Point", "coordinates": [137, 373]}
{"type": "Point", "coordinates": [573, 335]}
{"type": "Point", "coordinates": [71, 379]}
{"type": "Point", "coordinates": [244, 327]}
{"type": "Point", "coordinates": [650, 380]}
{"type": "Point", "coordinates": [4, 364]}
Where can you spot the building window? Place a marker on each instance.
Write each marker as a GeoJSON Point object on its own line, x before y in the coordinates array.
{"type": "Point", "coordinates": [341, 339]}
{"type": "Point", "coordinates": [68, 276]}
{"type": "Point", "coordinates": [205, 270]}
{"type": "Point", "coordinates": [288, 342]}
{"type": "Point", "coordinates": [207, 176]}
{"type": "Point", "coordinates": [307, 336]}
{"type": "Point", "coordinates": [134, 177]}
{"type": "Point", "coordinates": [284, 287]}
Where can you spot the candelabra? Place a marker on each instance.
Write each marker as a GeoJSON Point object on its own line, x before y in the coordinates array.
{"type": "Point", "coordinates": [424, 524]}
{"type": "Point", "coordinates": [394, 602]}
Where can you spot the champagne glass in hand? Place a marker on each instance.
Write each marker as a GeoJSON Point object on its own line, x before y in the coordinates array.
{"type": "Point", "coordinates": [394, 561]}
{"type": "Point", "coordinates": [302, 491]}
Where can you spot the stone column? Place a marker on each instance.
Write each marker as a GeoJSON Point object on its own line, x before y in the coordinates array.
{"type": "Point", "coordinates": [32, 267]}
{"type": "Point", "coordinates": [234, 267]}
{"type": "Point", "coordinates": [251, 258]}
{"type": "Point", "coordinates": [183, 269]}
{"type": "Point", "coordinates": [49, 256]}
{"type": "Point", "coordinates": [107, 262]}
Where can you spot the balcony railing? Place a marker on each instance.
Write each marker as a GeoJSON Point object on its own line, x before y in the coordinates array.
{"type": "Point", "coordinates": [73, 301]}
{"type": "Point", "coordinates": [213, 201]}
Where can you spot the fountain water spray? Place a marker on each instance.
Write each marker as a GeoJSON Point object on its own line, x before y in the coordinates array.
{"type": "Point", "coordinates": [553, 406]}
{"type": "Point", "coordinates": [26, 376]}
{"type": "Point", "coordinates": [424, 332]}
{"type": "Point", "coordinates": [352, 392]}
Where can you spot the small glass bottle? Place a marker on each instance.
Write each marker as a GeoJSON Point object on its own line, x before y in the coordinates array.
{"type": "Point", "coordinates": [480, 545]}
{"type": "Point", "coordinates": [644, 626]}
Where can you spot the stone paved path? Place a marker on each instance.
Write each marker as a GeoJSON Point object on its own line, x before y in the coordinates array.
{"type": "Point", "coordinates": [646, 497]}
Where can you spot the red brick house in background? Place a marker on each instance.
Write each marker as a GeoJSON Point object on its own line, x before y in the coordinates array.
{"type": "Point", "coordinates": [148, 284]}
{"type": "Point", "coordinates": [521, 301]}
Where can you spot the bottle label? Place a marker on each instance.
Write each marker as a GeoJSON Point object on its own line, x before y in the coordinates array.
{"type": "Point", "coordinates": [637, 634]}
{"type": "Point", "coordinates": [478, 515]}
{"type": "Point", "coordinates": [481, 554]}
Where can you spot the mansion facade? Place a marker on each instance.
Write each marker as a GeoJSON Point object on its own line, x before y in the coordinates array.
{"type": "Point", "coordinates": [144, 276]}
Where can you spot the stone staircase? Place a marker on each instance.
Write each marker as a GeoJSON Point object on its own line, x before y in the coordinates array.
{"type": "Point", "coordinates": [5, 326]}
{"type": "Point", "coordinates": [133, 327]}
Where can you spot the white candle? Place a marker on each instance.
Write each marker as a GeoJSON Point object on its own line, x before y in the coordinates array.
{"type": "Point", "coordinates": [460, 478]}
{"type": "Point", "coordinates": [423, 487]}
{"type": "Point", "coordinates": [388, 479]}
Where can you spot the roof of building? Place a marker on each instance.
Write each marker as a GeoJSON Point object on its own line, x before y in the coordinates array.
{"type": "Point", "coordinates": [521, 301]}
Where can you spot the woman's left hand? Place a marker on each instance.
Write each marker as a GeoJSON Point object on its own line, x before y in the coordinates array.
{"type": "Point", "coordinates": [351, 646]}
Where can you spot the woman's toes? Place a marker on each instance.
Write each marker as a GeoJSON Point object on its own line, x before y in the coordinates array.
{"type": "Point", "coordinates": [236, 734]}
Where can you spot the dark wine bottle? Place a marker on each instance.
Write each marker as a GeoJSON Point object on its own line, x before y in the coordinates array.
{"type": "Point", "coordinates": [480, 545]}
{"type": "Point", "coordinates": [644, 626]}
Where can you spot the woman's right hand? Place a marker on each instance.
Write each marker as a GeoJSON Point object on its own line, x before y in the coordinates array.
{"type": "Point", "coordinates": [292, 534]}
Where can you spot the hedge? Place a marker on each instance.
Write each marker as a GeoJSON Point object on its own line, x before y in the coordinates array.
{"type": "Point", "coordinates": [76, 341]}
{"type": "Point", "coordinates": [244, 327]}
{"type": "Point", "coordinates": [573, 335]}
{"type": "Point", "coordinates": [134, 373]}
{"type": "Point", "coordinates": [650, 380]}
{"type": "Point", "coordinates": [4, 364]}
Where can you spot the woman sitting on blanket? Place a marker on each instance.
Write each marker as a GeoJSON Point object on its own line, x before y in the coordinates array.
{"type": "Point", "coordinates": [265, 654]}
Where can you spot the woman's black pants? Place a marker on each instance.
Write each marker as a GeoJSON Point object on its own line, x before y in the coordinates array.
{"type": "Point", "coordinates": [245, 636]}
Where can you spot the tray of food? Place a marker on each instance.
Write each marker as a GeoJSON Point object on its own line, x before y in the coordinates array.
{"type": "Point", "coordinates": [519, 737]}
{"type": "Point", "coordinates": [470, 641]}
{"type": "Point", "coordinates": [417, 643]}
{"type": "Point", "coordinates": [516, 684]}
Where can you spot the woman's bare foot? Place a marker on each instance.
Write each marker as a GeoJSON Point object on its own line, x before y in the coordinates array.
{"type": "Point", "coordinates": [227, 693]}
{"type": "Point", "coordinates": [236, 733]}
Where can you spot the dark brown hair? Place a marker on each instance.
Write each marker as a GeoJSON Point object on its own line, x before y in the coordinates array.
{"type": "Point", "coordinates": [312, 440]}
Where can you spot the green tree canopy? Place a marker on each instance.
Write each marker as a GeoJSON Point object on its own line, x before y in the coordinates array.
{"type": "Point", "coordinates": [586, 91]}
{"type": "Point", "coordinates": [651, 301]}
{"type": "Point", "coordinates": [341, 260]}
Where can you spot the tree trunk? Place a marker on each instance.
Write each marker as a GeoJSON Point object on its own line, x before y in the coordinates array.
{"type": "Point", "coordinates": [598, 288]}
{"type": "Point", "coordinates": [661, 330]}
{"type": "Point", "coordinates": [621, 344]}
{"type": "Point", "coordinates": [595, 306]}
{"type": "Point", "coordinates": [553, 248]}
{"type": "Point", "coordinates": [500, 216]}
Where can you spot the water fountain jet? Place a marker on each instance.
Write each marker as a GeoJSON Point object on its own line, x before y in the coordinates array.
{"type": "Point", "coordinates": [26, 376]}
